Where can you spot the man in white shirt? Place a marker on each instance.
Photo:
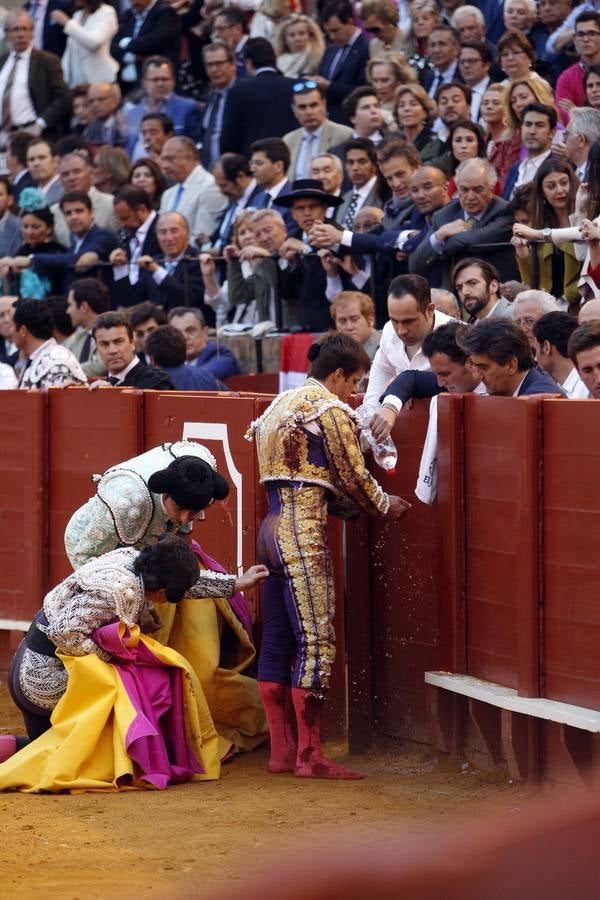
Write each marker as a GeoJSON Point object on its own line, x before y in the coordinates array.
{"type": "Point", "coordinates": [477, 283]}
{"type": "Point", "coordinates": [412, 316]}
{"type": "Point", "coordinates": [474, 65]}
{"type": "Point", "coordinates": [584, 350]}
{"type": "Point", "coordinates": [194, 194]}
{"type": "Point", "coordinates": [33, 94]}
{"type": "Point", "coordinates": [551, 335]}
{"type": "Point", "coordinates": [582, 131]}
{"type": "Point", "coordinates": [43, 168]}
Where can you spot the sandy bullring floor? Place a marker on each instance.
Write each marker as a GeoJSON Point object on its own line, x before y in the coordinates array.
{"type": "Point", "coordinates": [196, 839]}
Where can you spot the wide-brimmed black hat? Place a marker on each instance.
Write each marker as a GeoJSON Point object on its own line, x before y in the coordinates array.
{"type": "Point", "coordinates": [309, 187]}
{"type": "Point", "coordinates": [190, 482]}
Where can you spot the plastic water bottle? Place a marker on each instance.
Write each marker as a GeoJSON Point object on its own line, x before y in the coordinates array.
{"type": "Point", "coordinates": [384, 452]}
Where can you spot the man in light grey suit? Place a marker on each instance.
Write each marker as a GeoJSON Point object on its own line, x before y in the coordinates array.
{"type": "Point", "coordinates": [195, 194]}
{"type": "Point", "coordinates": [467, 226]}
{"type": "Point", "coordinates": [477, 283]}
{"type": "Point", "coordinates": [360, 163]}
{"type": "Point", "coordinates": [316, 134]}
{"type": "Point", "coordinates": [75, 172]}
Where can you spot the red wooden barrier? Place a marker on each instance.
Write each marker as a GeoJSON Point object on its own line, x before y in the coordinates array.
{"type": "Point", "coordinates": [399, 619]}
{"type": "Point", "coordinates": [89, 433]}
{"type": "Point", "coordinates": [571, 503]}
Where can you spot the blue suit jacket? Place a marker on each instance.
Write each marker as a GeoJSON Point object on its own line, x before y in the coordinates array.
{"type": "Point", "coordinates": [256, 108]}
{"type": "Point", "coordinates": [349, 74]}
{"type": "Point", "coordinates": [538, 382]}
{"type": "Point", "coordinates": [54, 39]}
{"type": "Point", "coordinates": [97, 240]}
{"type": "Point", "coordinates": [183, 112]}
{"type": "Point", "coordinates": [191, 378]}
{"type": "Point", "coordinates": [509, 184]}
{"type": "Point", "coordinates": [217, 360]}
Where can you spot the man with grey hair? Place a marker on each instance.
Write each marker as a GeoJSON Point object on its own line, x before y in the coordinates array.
{"type": "Point", "coordinates": [528, 307]}
{"type": "Point", "coordinates": [445, 302]}
{"type": "Point", "coordinates": [194, 194]}
{"type": "Point", "coordinates": [467, 226]}
{"type": "Point", "coordinates": [582, 131]}
{"type": "Point", "coordinates": [469, 21]}
{"type": "Point", "coordinates": [177, 280]}
{"type": "Point", "coordinates": [328, 169]}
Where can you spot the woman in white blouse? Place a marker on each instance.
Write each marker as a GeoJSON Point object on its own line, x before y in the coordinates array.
{"type": "Point", "coordinates": [87, 54]}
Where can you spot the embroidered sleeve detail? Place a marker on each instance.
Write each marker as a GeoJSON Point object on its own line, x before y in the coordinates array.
{"type": "Point", "coordinates": [213, 584]}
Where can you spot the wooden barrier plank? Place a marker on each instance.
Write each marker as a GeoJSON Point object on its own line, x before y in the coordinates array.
{"type": "Point", "coordinates": [571, 517]}
{"type": "Point", "coordinates": [23, 504]}
{"type": "Point", "coordinates": [90, 431]}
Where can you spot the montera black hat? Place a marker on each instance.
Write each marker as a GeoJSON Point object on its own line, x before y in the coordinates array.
{"type": "Point", "coordinates": [190, 482]}
{"type": "Point", "coordinates": [309, 188]}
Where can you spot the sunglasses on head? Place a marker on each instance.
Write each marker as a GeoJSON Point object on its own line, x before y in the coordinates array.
{"type": "Point", "coordinates": [302, 86]}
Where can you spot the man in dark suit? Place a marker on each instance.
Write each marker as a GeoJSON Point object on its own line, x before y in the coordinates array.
{"type": "Point", "coordinates": [16, 163]}
{"type": "Point", "coordinates": [136, 237]}
{"type": "Point", "coordinates": [259, 106]}
{"type": "Point", "coordinates": [343, 65]}
{"type": "Point", "coordinates": [234, 179]}
{"type": "Point", "coordinates": [109, 124]}
{"type": "Point", "coordinates": [443, 48]}
{"type": "Point", "coordinates": [46, 105]}
{"type": "Point", "coordinates": [87, 246]}
{"type": "Point", "coordinates": [219, 62]}
{"type": "Point", "coordinates": [230, 25]}
{"type": "Point", "coordinates": [269, 161]}
{"type": "Point", "coordinates": [113, 334]}
{"type": "Point", "coordinates": [47, 34]}
{"type": "Point", "coordinates": [146, 29]}
{"type": "Point", "coordinates": [501, 354]}
{"type": "Point", "coordinates": [177, 279]}
{"type": "Point", "coordinates": [466, 226]}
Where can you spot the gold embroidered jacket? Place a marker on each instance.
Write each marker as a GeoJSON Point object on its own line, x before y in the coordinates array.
{"type": "Point", "coordinates": [310, 436]}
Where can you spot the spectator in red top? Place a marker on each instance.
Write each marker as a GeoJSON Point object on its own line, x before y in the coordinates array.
{"type": "Point", "coordinates": [570, 90]}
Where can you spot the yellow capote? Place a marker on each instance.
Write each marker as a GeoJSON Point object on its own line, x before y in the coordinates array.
{"type": "Point", "coordinates": [217, 647]}
{"type": "Point", "coordinates": [84, 750]}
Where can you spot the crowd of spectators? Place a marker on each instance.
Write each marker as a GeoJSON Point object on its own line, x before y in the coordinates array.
{"type": "Point", "coordinates": [173, 168]}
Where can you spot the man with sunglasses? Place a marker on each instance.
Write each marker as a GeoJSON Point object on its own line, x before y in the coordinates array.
{"type": "Point", "coordinates": [316, 134]}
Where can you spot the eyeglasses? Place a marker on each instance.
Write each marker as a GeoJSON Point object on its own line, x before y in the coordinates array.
{"type": "Point", "coordinates": [587, 34]}
{"type": "Point", "coordinates": [218, 28]}
{"type": "Point", "coordinates": [510, 54]}
{"type": "Point", "coordinates": [376, 29]}
{"type": "Point", "coordinates": [301, 86]}
{"type": "Point", "coordinates": [526, 321]}
{"type": "Point", "coordinates": [469, 61]}
{"type": "Point", "coordinates": [215, 63]}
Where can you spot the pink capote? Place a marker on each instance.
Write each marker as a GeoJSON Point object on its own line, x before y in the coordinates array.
{"type": "Point", "coordinates": [155, 740]}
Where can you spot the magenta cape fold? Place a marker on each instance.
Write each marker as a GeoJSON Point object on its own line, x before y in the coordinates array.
{"type": "Point", "coordinates": [237, 601]}
{"type": "Point", "coordinates": [155, 740]}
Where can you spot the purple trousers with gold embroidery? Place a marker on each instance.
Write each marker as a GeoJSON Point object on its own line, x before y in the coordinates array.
{"type": "Point", "coordinates": [298, 601]}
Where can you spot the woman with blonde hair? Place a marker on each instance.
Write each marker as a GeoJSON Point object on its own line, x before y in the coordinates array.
{"type": "Point", "coordinates": [503, 141]}
{"type": "Point", "coordinates": [268, 17]}
{"type": "Point", "coordinates": [425, 16]}
{"type": "Point", "coordinates": [299, 46]}
{"type": "Point", "coordinates": [520, 93]}
{"type": "Point", "coordinates": [415, 111]}
{"type": "Point", "coordinates": [386, 73]}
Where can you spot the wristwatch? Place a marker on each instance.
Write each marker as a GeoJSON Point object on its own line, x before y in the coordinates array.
{"type": "Point", "coordinates": [547, 234]}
